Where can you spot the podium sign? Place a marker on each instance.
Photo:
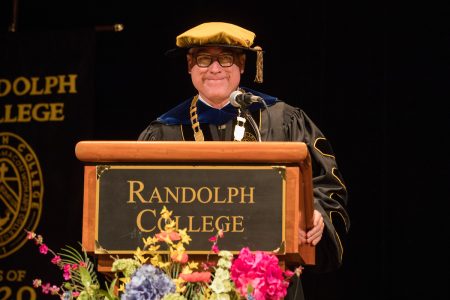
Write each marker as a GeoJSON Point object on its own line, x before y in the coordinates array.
{"type": "Point", "coordinates": [208, 185]}
{"type": "Point", "coordinates": [246, 202]}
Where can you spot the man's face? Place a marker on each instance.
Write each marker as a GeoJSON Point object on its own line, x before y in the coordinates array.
{"type": "Point", "coordinates": [215, 72]}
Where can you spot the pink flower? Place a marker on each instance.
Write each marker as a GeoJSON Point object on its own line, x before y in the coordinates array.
{"type": "Point", "coordinates": [43, 248]}
{"type": "Point", "coordinates": [208, 265]}
{"type": "Point", "coordinates": [74, 266]}
{"type": "Point", "coordinates": [54, 290]}
{"type": "Point", "coordinates": [39, 240]}
{"type": "Point", "coordinates": [196, 277]}
{"type": "Point", "coordinates": [215, 249]}
{"type": "Point", "coordinates": [45, 288]}
{"type": "Point", "coordinates": [66, 272]}
{"type": "Point", "coordinates": [37, 283]}
{"type": "Point", "coordinates": [173, 236]}
{"type": "Point", "coordinates": [179, 257]}
{"type": "Point", "coordinates": [67, 275]}
{"type": "Point", "coordinates": [56, 259]}
{"type": "Point", "coordinates": [82, 264]}
{"type": "Point", "coordinates": [31, 235]}
{"type": "Point", "coordinates": [261, 271]}
{"type": "Point", "coordinates": [212, 239]}
{"type": "Point", "coordinates": [76, 294]}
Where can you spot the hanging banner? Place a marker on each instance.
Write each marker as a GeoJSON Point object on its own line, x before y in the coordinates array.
{"type": "Point", "coordinates": [46, 107]}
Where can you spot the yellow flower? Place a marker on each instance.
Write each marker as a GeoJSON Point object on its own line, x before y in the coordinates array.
{"type": "Point", "coordinates": [124, 281]}
{"type": "Point", "coordinates": [150, 241]}
{"type": "Point", "coordinates": [155, 260]}
{"type": "Point", "coordinates": [139, 254]}
{"type": "Point", "coordinates": [164, 265]}
{"type": "Point", "coordinates": [165, 214]}
{"type": "Point", "coordinates": [154, 248]}
{"type": "Point", "coordinates": [170, 225]}
{"type": "Point", "coordinates": [179, 247]}
{"type": "Point", "coordinates": [185, 238]}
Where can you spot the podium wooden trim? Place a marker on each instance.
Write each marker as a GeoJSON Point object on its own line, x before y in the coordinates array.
{"type": "Point", "coordinates": [294, 155]}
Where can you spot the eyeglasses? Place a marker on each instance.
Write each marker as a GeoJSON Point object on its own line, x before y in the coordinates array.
{"type": "Point", "coordinates": [205, 60]}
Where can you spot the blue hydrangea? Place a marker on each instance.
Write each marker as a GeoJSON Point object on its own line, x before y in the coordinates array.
{"type": "Point", "coordinates": [67, 295]}
{"type": "Point", "coordinates": [148, 283]}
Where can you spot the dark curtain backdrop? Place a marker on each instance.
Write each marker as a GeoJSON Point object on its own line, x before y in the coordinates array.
{"type": "Point", "coordinates": [46, 107]}
{"type": "Point", "coordinates": [373, 75]}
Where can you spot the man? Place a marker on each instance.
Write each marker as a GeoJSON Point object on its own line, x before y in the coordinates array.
{"type": "Point", "coordinates": [216, 54]}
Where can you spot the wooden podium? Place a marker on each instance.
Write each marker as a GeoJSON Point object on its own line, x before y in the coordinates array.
{"type": "Point", "coordinates": [293, 156]}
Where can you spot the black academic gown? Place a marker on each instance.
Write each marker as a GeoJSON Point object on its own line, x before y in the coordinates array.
{"type": "Point", "coordinates": [287, 124]}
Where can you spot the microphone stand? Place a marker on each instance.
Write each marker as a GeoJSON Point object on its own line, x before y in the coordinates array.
{"type": "Point", "coordinates": [249, 117]}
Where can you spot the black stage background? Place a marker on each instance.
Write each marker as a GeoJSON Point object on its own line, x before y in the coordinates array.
{"type": "Point", "coordinates": [373, 76]}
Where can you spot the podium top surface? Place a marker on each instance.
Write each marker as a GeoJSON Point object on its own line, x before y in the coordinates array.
{"type": "Point", "coordinates": [178, 151]}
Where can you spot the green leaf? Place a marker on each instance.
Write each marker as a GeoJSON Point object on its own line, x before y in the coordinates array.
{"type": "Point", "coordinates": [112, 286]}
{"type": "Point", "coordinates": [250, 289]}
{"type": "Point", "coordinates": [70, 255]}
{"type": "Point", "coordinates": [106, 294]}
{"type": "Point", "coordinates": [85, 277]}
{"type": "Point", "coordinates": [83, 296]}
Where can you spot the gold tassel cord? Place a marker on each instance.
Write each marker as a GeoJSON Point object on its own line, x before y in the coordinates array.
{"type": "Point", "coordinates": [259, 64]}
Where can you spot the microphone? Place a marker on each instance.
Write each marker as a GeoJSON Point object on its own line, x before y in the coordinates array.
{"type": "Point", "coordinates": [240, 99]}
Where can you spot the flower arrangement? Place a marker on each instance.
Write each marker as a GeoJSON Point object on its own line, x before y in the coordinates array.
{"type": "Point", "coordinates": [169, 275]}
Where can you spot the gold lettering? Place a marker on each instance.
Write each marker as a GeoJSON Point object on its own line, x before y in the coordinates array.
{"type": "Point", "coordinates": [34, 84]}
{"type": "Point", "coordinates": [50, 82]}
{"type": "Point", "coordinates": [26, 112]}
{"type": "Point", "coordinates": [216, 195]}
{"type": "Point", "coordinates": [156, 195]}
{"type": "Point", "coordinates": [34, 173]}
{"type": "Point", "coordinates": [31, 165]}
{"type": "Point", "coordinates": [220, 224]}
{"type": "Point", "coordinates": [7, 115]}
{"type": "Point", "coordinates": [31, 293]}
{"type": "Point", "coordinates": [29, 157]}
{"type": "Point", "coordinates": [238, 220]}
{"type": "Point", "coordinates": [184, 195]}
{"type": "Point", "coordinates": [7, 87]}
{"type": "Point", "coordinates": [26, 86]}
{"type": "Point", "coordinates": [162, 222]}
{"type": "Point", "coordinates": [135, 191]}
{"type": "Point", "coordinates": [71, 83]}
{"type": "Point", "coordinates": [21, 85]}
{"type": "Point", "coordinates": [5, 140]}
{"type": "Point", "coordinates": [190, 226]}
{"type": "Point", "coordinates": [6, 292]}
{"type": "Point", "coordinates": [174, 197]}
{"type": "Point", "coordinates": [232, 192]}
{"type": "Point", "coordinates": [23, 112]}
{"type": "Point", "coordinates": [209, 195]}
{"type": "Point", "coordinates": [56, 112]}
{"type": "Point", "coordinates": [207, 224]}
{"type": "Point", "coordinates": [44, 115]}
{"type": "Point", "coordinates": [139, 220]}
{"type": "Point", "coordinates": [250, 195]}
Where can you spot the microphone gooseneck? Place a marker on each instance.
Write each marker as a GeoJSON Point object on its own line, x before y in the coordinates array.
{"type": "Point", "coordinates": [241, 101]}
